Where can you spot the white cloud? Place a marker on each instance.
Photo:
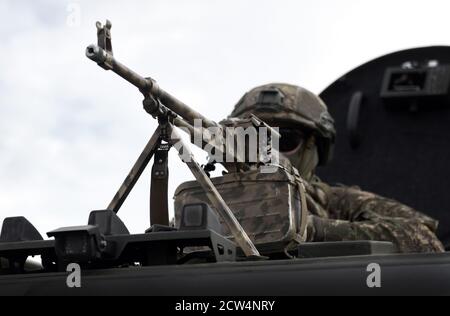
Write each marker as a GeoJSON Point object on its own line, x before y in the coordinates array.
{"type": "Point", "coordinates": [69, 132]}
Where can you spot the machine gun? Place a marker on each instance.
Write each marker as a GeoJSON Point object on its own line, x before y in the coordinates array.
{"type": "Point", "coordinates": [205, 218]}
{"type": "Point", "coordinates": [171, 112]}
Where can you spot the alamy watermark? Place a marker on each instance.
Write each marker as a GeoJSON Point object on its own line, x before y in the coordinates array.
{"type": "Point", "coordinates": [74, 278]}
{"type": "Point", "coordinates": [374, 278]}
{"type": "Point", "coordinates": [252, 145]}
{"type": "Point", "coordinates": [73, 10]}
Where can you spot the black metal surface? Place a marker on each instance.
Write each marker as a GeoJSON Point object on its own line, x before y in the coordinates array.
{"type": "Point", "coordinates": [84, 245]}
{"type": "Point", "coordinates": [403, 153]}
{"type": "Point", "coordinates": [108, 222]}
{"type": "Point", "coordinates": [199, 216]}
{"type": "Point", "coordinates": [18, 229]}
{"type": "Point", "coordinates": [346, 248]}
{"type": "Point", "coordinates": [353, 118]}
{"type": "Point", "coordinates": [30, 248]}
{"type": "Point", "coordinates": [400, 275]}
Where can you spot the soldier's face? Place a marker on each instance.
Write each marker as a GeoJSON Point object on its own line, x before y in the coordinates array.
{"type": "Point", "coordinates": [299, 147]}
{"type": "Point", "coordinates": [292, 137]}
{"type": "Point", "coordinates": [297, 144]}
{"type": "Point", "coordinates": [292, 143]}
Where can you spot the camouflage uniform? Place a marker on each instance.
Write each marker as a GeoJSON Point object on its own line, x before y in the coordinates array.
{"type": "Point", "coordinates": [337, 213]}
{"type": "Point", "coordinates": [348, 213]}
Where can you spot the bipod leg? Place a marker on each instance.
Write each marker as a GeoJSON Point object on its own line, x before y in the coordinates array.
{"type": "Point", "coordinates": [136, 172]}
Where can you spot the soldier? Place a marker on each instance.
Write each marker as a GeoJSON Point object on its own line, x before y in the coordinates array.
{"type": "Point", "coordinates": [337, 213]}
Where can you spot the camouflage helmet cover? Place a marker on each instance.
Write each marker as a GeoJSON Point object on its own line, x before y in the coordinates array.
{"type": "Point", "coordinates": [285, 102]}
{"type": "Point", "coordinates": [291, 104]}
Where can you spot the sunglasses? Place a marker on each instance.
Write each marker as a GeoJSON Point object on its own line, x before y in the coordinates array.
{"type": "Point", "coordinates": [291, 139]}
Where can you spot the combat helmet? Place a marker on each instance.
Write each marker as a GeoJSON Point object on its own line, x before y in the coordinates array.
{"type": "Point", "coordinates": [289, 104]}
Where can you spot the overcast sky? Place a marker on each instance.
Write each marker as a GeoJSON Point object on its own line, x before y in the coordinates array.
{"type": "Point", "coordinates": [70, 132]}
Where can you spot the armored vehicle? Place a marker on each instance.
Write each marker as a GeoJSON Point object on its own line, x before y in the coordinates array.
{"type": "Point", "coordinates": [227, 240]}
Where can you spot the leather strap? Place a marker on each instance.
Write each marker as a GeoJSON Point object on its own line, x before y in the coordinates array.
{"type": "Point", "coordinates": [159, 206]}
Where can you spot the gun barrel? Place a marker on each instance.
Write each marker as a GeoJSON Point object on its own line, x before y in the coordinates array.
{"type": "Point", "coordinates": [147, 86]}
{"type": "Point", "coordinates": [186, 115]}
